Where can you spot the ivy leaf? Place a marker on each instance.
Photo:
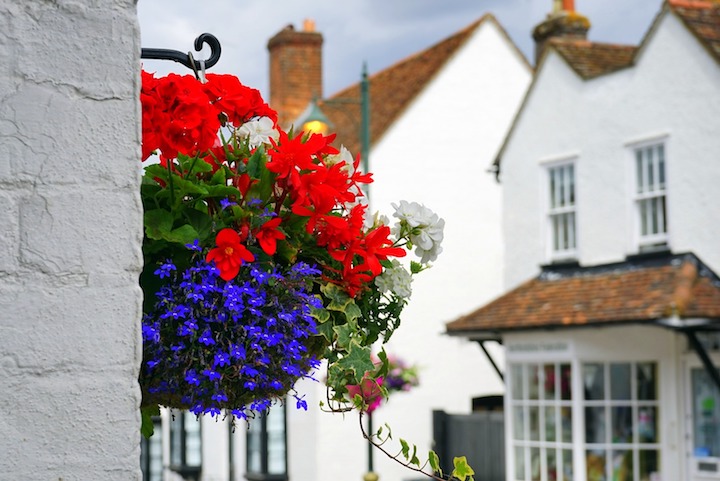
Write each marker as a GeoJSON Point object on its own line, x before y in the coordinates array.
{"type": "Point", "coordinates": [357, 360]}
{"type": "Point", "coordinates": [462, 469]}
{"type": "Point", "coordinates": [405, 448]}
{"type": "Point", "coordinates": [344, 335]}
{"type": "Point", "coordinates": [434, 462]}
{"type": "Point", "coordinates": [385, 364]}
{"type": "Point", "coordinates": [147, 428]}
{"type": "Point", "coordinates": [337, 297]}
{"type": "Point", "coordinates": [158, 223]}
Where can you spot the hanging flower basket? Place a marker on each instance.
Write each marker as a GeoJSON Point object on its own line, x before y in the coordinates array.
{"type": "Point", "coordinates": [259, 259]}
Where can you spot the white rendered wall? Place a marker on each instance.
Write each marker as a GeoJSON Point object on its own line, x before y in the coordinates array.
{"type": "Point", "coordinates": [437, 153]}
{"type": "Point", "coordinates": [672, 93]}
{"type": "Point", "coordinates": [70, 240]}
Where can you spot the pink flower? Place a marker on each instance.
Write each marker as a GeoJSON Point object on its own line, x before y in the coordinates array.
{"type": "Point", "coordinates": [369, 390]}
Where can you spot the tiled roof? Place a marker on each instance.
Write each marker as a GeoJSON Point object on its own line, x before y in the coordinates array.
{"type": "Point", "coordinates": [644, 289]}
{"type": "Point", "coordinates": [592, 59]}
{"type": "Point", "coordinates": [391, 90]}
{"type": "Point", "coordinates": [703, 20]}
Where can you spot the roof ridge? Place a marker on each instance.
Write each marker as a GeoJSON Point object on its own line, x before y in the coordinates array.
{"type": "Point", "coordinates": [694, 3]}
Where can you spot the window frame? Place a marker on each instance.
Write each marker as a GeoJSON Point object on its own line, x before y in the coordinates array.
{"type": "Point", "coordinates": [652, 241]}
{"type": "Point", "coordinates": [562, 448]}
{"type": "Point", "coordinates": [179, 421]}
{"type": "Point", "coordinates": [259, 425]}
{"type": "Point", "coordinates": [151, 452]}
{"type": "Point", "coordinates": [552, 212]}
{"type": "Point", "coordinates": [609, 445]}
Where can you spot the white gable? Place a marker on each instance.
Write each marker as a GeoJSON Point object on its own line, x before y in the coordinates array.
{"type": "Point", "coordinates": [670, 93]}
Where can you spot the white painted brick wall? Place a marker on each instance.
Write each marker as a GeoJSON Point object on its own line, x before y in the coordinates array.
{"type": "Point", "coordinates": [70, 240]}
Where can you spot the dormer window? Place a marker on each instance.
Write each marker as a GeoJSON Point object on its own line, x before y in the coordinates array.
{"type": "Point", "coordinates": [561, 211]}
{"type": "Point", "coordinates": [650, 196]}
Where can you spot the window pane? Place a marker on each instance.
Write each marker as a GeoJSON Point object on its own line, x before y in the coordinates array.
{"type": "Point", "coordinates": [650, 171]}
{"type": "Point", "coordinates": [620, 381]}
{"type": "Point", "coordinates": [594, 380]}
{"type": "Point", "coordinates": [566, 422]}
{"type": "Point", "coordinates": [553, 188]}
{"type": "Point", "coordinates": [534, 381]}
{"type": "Point", "coordinates": [550, 424]}
{"type": "Point", "coordinates": [520, 463]}
{"type": "Point", "coordinates": [649, 462]}
{"type": "Point", "coordinates": [595, 465]}
{"type": "Point", "coordinates": [176, 434]}
{"type": "Point", "coordinates": [565, 382]}
{"type": "Point", "coordinates": [254, 446]}
{"type": "Point", "coordinates": [643, 217]}
{"type": "Point", "coordinates": [193, 440]}
{"type": "Point", "coordinates": [551, 463]}
{"type": "Point", "coordinates": [518, 422]}
{"type": "Point", "coordinates": [646, 381]}
{"type": "Point", "coordinates": [517, 381]}
{"type": "Point", "coordinates": [706, 411]}
{"type": "Point", "coordinates": [622, 465]}
{"type": "Point", "coordinates": [535, 464]}
{"type": "Point", "coordinates": [561, 188]}
{"type": "Point", "coordinates": [534, 419]}
{"type": "Point", "coordinates": [661, 166]}
{"type": "Point", "coordinates": [640, 176]}
{"type": "Point", "coordinates": [549, 381]}
{"type": "Point", "coordinates": [622, 424]}
{"type": "Point", "coordinates": [595, 424]}
{"type": "Point", "coordinates": [571, 184]}
{"type": "Point", "coordinates": [647, 424]}
{"type": "Point", "coordinates": [567, 464]}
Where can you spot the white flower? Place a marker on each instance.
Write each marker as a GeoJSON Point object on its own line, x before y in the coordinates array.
{"type": "Point", "coordinates": [395, 279]}
{"type": "Point", "coordinates": [423, 227]}
{"type": "Point", "coordinates": [343, 156]}
{"type": "Point", "coordinates": [259, 131]}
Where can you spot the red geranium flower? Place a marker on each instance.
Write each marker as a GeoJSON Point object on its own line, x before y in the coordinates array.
{"type": "Point", "coordinates": [229, 254]}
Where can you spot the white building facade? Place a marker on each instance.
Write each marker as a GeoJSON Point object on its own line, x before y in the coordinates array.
{"type": "Point", "coordinates": [609, 175]}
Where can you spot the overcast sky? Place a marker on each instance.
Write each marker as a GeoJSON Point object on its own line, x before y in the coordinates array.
{"type": "Point", "coordinates": [379, 32]}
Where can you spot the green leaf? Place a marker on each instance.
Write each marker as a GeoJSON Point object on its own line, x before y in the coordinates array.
{"type": "Point", "coordinates": [223, 191]}
{"type": "Point", "coordinates": [414, 459]}
{"type": "Point", "coordinates": [385, 365]}
{"type": "Point", "coordinates": [182, 235]}
{"type": "Point", "coordinates": [255, 163]}
{"type": "Point", "coordinates": [415, 267]}
{"type": "Point", "coordinates": [379, 431]}
{"type": "Point", "coordinates": [405, 448]}
{"type": "Point", "coordinates": [352, 311]}
{"type": "Point", "coordinates": [462, 469]}
{"type": "Point", "coordinates": [389, 434]}
{"type": "Point", "coordinates": [158, 223]}
{"type": "Point", "coordinates": [147, 428]}
{"type": "Point", "coordinates": [434, 462]}
{"type": "Point", "coordinates": [344, 335]}
{"type": "Point", "coordinates": [357, 360]}
{"type": "Point", "coordinates": [219, 177]}
{"type": "Point", "coordinates": [321, 314]}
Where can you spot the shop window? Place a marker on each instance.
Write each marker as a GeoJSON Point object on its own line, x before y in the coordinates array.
{"type": "Point", "coordinates": [622, 439]}
{"type": "Point", "coordinates": [541, 421]}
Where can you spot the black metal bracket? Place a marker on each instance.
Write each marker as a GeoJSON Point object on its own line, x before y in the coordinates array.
{"type": "Point", "coordinates": [490, 358]}
{"type": "Point", "coordinates": [186, 58]}
{"type": "Point", "coordinates": [702, 353]}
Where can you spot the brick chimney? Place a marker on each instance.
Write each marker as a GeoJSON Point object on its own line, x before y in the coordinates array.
{"type": "Point", "coordinates": [295, 70]}
{"type": "Point", "coordinates": [563, 22]}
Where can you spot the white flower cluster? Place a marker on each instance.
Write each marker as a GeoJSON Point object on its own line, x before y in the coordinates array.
{"type": "Point", "coordinates": [424, 227]}
{"type": "Point", "coordinates": [259, 131]}
{"type": "Point", "coordinates": [396, 279]}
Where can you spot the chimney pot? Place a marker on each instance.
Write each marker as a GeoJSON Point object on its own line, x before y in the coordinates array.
{"type": "Point", "coordinates": [309, 25]}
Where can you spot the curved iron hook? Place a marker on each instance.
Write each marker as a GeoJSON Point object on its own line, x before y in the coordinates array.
{"type": "Point", "coordinates": [184, 58]}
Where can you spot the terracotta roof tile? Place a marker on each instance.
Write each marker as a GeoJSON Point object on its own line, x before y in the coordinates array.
{"type": "Point", "coordinates": [391, 90]}
{"type": "Point", "coordinates": [592, 59]}
{"type": "Point", "coordinates": [703, 20]}
{"type": "Point", "coordinates": [634, 291]}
